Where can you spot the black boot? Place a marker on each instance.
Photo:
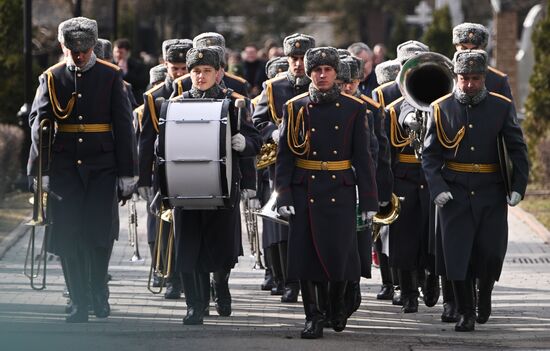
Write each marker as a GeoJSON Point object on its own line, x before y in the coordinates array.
{"type": "Point", "coordinates": [430, 289]}
{"type": "Point", "coordinates": [173, 287]}
{"type": "Point", "coordinates": [338, 317]}
{"type": "Point", "coordinates": [450, 314]}
{"type": "Point", "coordinates": [314, 298]}
{"type": "Point", "coordinates": [386, 291]}
{"type": "Point", "coordinates": [205, 290]}
{"type": "Point", "coordinates": [353, 297]}
{"type": "Point", "coordinates": [485, 287]}
{"type": "Point", "coordinates": [291, 290]}
{"type": "Point", "coordinates": [222, 296]}
{"type": "Point", "coordinates": [268, 282]}
{"type": "Point", "coordinates": [193, 286]}
{"type": "Point", "coordinates": [276, 270]}
{"type": "Point", "coordinates": [464, 295]}
{"type": "Point", "coordinates": [99, 263]}
{"type": "Point", "coordinates": [78, 283]}
{"type": "Point", "coordinates": [409, 290]}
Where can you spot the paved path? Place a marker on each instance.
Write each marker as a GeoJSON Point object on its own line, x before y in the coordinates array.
{"type": "Point", "coordinates": [141, 321]}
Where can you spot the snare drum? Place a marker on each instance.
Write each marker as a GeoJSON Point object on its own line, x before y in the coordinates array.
{"type": "Point", "coordinates": [194, 154]}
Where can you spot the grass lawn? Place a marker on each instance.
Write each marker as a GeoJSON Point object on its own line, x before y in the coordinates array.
{"type": "Point", "coordinates": [537, 205]}
{"type": "Point", "coordinates": [14, 208]}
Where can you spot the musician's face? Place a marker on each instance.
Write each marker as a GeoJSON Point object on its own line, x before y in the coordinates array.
{"type": "Point", "coordinates": [80, 58]}
{"type": "Point", "coordinates": [466, 46]}
{"type": "Point", "coordinates": [176, 70]}
{"type": "Point", "coordinates": [323, 77]}
{"type": "Point", "coordinates": [351, 88]}
{"type": "Point", "coordinates": [471, 84]}
{"type": "Point", "coordinates": [296, 65]}
{"type": "Point", "coordinates": [204, 77]}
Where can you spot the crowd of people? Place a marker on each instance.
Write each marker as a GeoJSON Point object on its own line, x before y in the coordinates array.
{"type": "Point", "coordinates": [352, 144]}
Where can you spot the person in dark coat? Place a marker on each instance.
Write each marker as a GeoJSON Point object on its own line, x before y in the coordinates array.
{"type": "Point", "coordinates": [461, 163]}
{"type": "Point", "coordinates": [174, 52]}
{"type": "Point", "coordinates": [133, 69]}
{"type": "Point", "coordinates": [93, 152]}
{"type": "Point", "coordinates": [210, 240]}
{"type": "Point", "coordinates": [324, 134]}
{"type": "Point", "coordinates": [267, 118]}
{"type": "Point", "coordinates": [363, 52]}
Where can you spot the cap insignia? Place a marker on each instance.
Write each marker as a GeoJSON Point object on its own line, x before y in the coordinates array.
{"type": "Point", "coordinates": [200, 55]}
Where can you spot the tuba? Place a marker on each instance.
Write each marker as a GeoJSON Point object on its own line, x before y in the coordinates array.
{"type": "Point", "coordinates": [423, 79]}
{"type": "Point", "coordinates": [268, 155]}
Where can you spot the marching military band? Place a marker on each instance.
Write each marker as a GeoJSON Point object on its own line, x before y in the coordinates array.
{"type": "Point", "coordinates": [348, 152]}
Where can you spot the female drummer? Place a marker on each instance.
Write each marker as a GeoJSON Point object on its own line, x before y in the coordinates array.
{"type": "Point", "coordinates": [210, 240]}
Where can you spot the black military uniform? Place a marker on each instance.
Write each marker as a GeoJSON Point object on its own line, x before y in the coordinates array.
{"type": "Point", "coordinates": [461, 157]}
{"type": "Point", "coordinates": [93, 146]}
{"type": "Point", "coordinates": [314, 175]}
{"type": "Point", "coordinates": [210, 240]}
{"type": "Point", "coordinates": [267, 117]}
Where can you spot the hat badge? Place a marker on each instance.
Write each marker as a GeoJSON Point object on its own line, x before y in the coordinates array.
{"type": "Point", "coordinates": [208, 41]}
{"type": "Point", "coordinates": [200, 55]}
{"type": "Point", "coordinates": [323, 54]}
{"type": "Point", "coordinates": [470, 34]}
{"type": "Point", "coordinates": [297, 44]}
{"type": "Point", "coordinates": [471, 62]}
{"type": "Point", "coordinates": [181, 54]}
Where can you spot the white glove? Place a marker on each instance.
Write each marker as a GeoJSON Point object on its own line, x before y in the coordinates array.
{"type": "Point", "coordinates": [383, 203]}
{"type": "Point", "coordinates": [411, 121]}
{"type": "Point", "coordinates": [45, 183]}
{"type": "Point", "coordinates": [367, 215]}
{"type": "Point", "coordinates": [286, 211]}
{"type": "Point", "coordinates": [238, 142]}
{"type": "Point", "coordinates": [248, 194]}
{"type": "Point", "coordinates": [146, 193]}
{"type": "Point", "coordinates": [127, 185]}
{"type": "Point", "coordinates": [442, 198]}
{"type": "Point", "coordinates": [275, 136]}
{"type": "Point", "coordinates": [513, 199]}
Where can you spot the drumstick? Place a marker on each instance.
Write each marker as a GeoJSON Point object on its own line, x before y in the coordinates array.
{"type": "Point", "coordinates": [240, 104]}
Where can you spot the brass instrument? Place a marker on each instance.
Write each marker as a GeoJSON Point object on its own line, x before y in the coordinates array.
{"type": "Point", "coordinates": [132, 229]}
{"type": "Point", "coordinates": [423, 79]}
{"type": "Point", "coordinates": [161, 262]}
{"type": "Point", "coordinates": [249, 210]}
{"type": "Point", "coordinates": [267, 156]}
{"type": "Point", "coordinates": [387, 217]}
{"type": "Point", "coordinates": [39, 218]}
{"type": "Point", "coordinates": [269, 211]}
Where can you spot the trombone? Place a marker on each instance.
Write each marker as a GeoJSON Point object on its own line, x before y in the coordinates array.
{"type": "Point", "coordinates": [161, 262]}
{"type": "Point", "coordinates": [132, 229]}
{"type": "Point", "coordinates": [38, 263]}
{"type": "Point", "coordinates": [253, 232]}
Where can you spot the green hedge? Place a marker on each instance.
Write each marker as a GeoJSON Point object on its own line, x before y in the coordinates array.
{"type": "Point", "coordinates": [11, 140]}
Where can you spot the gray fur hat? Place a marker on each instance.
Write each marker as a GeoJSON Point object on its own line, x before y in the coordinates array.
{"type": "Point", "coordinates": [177, 52]}
{"type": "Point", "coordinates": [324, 55]}
{"type": "Point", "coordinates": [157, 73]}
{"type": "Point", "coordinates": [221, 52]}
{"type": "Point", "coordinates": [343, 53]}
{"type": "Point", "coordinates": [344, 72]}
{"type": "Point", "coordinates": [471, 33]}
{"type": "Point", "coordinates": [409, 49]}
{"type": "Point", "coordinates": [387, 71]}
{"type": "Point", "coordinates": [167, 43]}
{"type": "Point", "coordinates": [208, 39]}
{"type": "Point", "coordinates": [470, 61]}
{"type": "Point", "coordinates": [78, 33]}
{"type": "Point", "coordinates": [103, 49]}
{"type": "Point", "coordinates": [275, 66]}
{"type": "Point", "coordinates": [356, 67]}
{"type": "Point", "coordinates": [203, 56]}
{"type": "Point", "coordinates": [297, 44]}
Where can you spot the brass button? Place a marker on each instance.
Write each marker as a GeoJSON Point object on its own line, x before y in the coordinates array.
{"type": "Point", "coordinates": [472, 148]}
{"type": "Point", "coordinates": [79, 75]}
{"type": "Point", "coordinates": [79, 95]}
{"type": "Point", "coordinates": [476, 167]}
{"type": "Point", "coordinates": [313, 129]}
{"type": "Point", "coordinates": [337, 104]}
{"type": "Point", "coordinates": [333, 200]}
{"type": "Point", "coordinates": [335, 152]}
{"type": "Point", "coordinates": [79, 162]}
{"type": "Point", "coordinates": [469, 106]}
{"type": "Point", "coordinates": [80, 118]}
{"type": "Point", "coordinates": [310, 105]}
{"type": "Point", "coordinates": [472, 192]}
{"type": "Point", "coordinates": [324, 166]}
{"type": "Point", "coordinates": [421, 186]}
{"type": "Point", "coordinates": [80, 140]}
{"type": "Point", "coordinates": [313, 176]}
{"type": "Point", "coordinates": [81, 128]}
{"type": "Point", "coordinates": [314, 153]}
{"type": "Point", "coordinates": [470, 125]}
{"type": "Point", "coordinates": [334, 176]}
{"type": "Point", "coordinates": [311, 200]}
{"type": "Point", "coordinates": [336, 127]}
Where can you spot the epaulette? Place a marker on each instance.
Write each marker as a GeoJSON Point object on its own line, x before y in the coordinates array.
{"type": "Point", "coordinates": [353, 98]}
{"type": "Point", "coordinates": [370, 100]}
{"type": "Point", "coordinates": [55, 66]}
{"type": "Point", "coordinates": [240, 79]}
{"type": "Point", "coordinates": [297, 97]}
{"type": "Point", "coordinates": [444, 97]}
{"type": "Point", "coordinates": [151, 105]}
{"type": "Point", "coordinates": [395, 102]}
{"type": "Point", "coordinates": [256, 100]}
{"type": "Point", "coordinates": [387, 84]}
{"type": "Point", "coordinates": [500, 96]}
{"type": "Point", "coordinates": [139, 109]}
{"type": "Point", "coordinates": [154, 88]}
{"type": "Point", "coordinates": [274, 79]}
{"type": "Point", "coordinates": [182, 77]}
{"type": "Point", "coordinates": [109, 64]}
{"type": "Point", "coordinates": [494, 70]}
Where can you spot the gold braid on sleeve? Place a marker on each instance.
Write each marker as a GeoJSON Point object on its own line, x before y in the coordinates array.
{"type": "Point", "coordinates": [271, 104]}
{"type": "Point", "coordinates": [397, 138]}
{"type": "Point", "coordinates": [295, 128]}
{"type": "Point", "coordinates": [442, 136]}
{"type": "Point", "coordinates": [152, 112]}
{"type": "Point", "coordinates": [59, 112]}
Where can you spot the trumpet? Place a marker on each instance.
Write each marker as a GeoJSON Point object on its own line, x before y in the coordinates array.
{"type": "Point", "coordinates": [132, 229]}
{"type": "Point", "coordinates": [39, 218]}
{"type": "Point", "coordinates": [161, 262]}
